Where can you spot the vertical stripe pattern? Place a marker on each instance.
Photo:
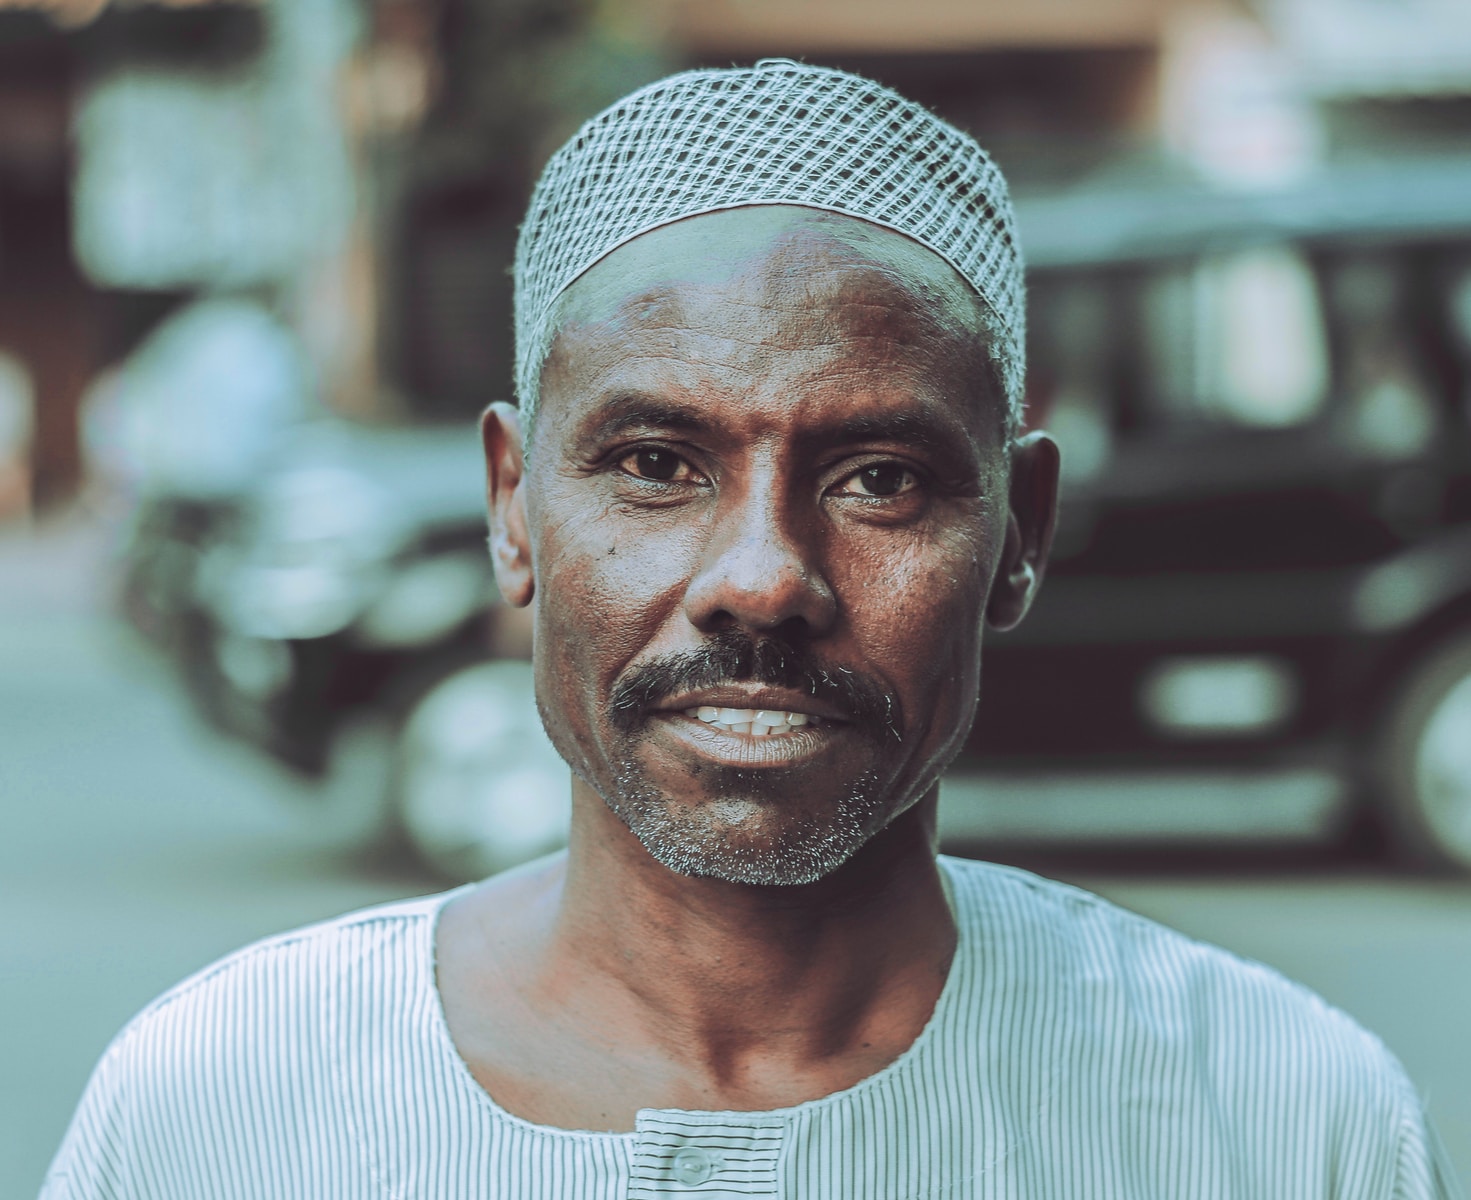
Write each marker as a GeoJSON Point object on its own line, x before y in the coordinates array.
{"type": "Point", "coordinates": [1077, 1050]}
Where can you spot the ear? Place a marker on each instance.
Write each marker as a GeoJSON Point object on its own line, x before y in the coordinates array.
{"type": "Point", "coordinates": [505, 494]}
{"type": "Point", "coordinates": [1031, 518]}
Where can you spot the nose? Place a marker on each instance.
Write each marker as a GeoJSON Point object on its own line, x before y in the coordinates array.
{"type": "Point", "coordinates": [759, 573]}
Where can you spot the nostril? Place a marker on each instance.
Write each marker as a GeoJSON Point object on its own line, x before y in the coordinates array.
{"type": "Point", "coordinates": [794, 631]}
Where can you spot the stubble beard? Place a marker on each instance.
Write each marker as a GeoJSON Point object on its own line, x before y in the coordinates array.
{"type": "Point", "coordinates": [746, 825]}
{"type": "Point", "coordinates": [730, 837]}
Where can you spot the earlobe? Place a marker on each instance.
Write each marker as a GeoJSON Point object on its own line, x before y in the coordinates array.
{"type": "Point", "coordinates": [1030, 521]}
{"type": "Point", "coordinates": [505, 493]}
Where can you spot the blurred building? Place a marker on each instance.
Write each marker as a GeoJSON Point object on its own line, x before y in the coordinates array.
{"type": "Point", "coordinates": [98, 199]}
{"type": "Point", "coordinates": [156, 155]}
{"type": "Point", "coordinates": [1249, 90]}
{"type": "Point", "coordinates": [1063, 92]}
{"type": "Point", "coordinates": [357, 167]}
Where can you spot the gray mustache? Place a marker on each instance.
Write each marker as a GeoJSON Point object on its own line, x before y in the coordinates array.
{"type": "Point", "coordinates": [733, 656]}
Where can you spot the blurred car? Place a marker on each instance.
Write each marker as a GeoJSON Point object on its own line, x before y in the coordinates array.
{"type": "Point", "coordinates": [184, 427]}
{"type": "Point", "coordinates": [1257, 622]}
{"type": "Point", "coordinates": [343, 618]}
{"type": "Point", "coordinates": [159, 558]}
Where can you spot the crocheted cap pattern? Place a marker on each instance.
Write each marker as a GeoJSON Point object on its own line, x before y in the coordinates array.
{"type": "Point", "coordinates": [780, 132]}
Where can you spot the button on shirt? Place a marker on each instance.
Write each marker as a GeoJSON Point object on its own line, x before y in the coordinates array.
{"type": "Point", "coordinates": [693, 1166]}
{"type": "Point", "coordinates": [1076, 1050]}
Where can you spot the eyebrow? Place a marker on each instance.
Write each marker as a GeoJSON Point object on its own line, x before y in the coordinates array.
{"type": "Point", "coordinates": [948, 441]}
{"type": "Point", "coordinates": [632, 410]}
{"type": "Point", "coordinates": [922, 430]}
{"type": "Point", "coordinates": [948, 444]}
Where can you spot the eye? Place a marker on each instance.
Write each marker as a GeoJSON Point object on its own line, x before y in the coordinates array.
{"type": "Point", "coordinates": [880, 480]}
{"type": "Point", "coordinates": [657, 466]}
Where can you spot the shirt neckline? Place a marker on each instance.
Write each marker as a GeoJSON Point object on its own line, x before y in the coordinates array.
{"type": "Point", "coordinates": [913, 1056]}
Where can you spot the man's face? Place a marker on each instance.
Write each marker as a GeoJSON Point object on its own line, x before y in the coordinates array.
{"type": "Point", "coordinates": [766, 497]}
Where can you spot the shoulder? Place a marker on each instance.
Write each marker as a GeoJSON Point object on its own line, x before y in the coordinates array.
{"type": "Point", "coordinates": [1220, 1025]}
{"type": "Point", "coordinates": [1093, 943]}
{"type": "Point", "coordinates": [1192, 1063]}
{"type": "Point", "coordinates": [262, 987]}
{"type": "Point", "coordinates": [1130, 961]}
{"type": "Point", "coordinates": [232, 1059]}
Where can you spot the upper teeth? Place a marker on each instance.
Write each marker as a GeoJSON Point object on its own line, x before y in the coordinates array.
{"type": "Point", "coordinates": [759, 722]}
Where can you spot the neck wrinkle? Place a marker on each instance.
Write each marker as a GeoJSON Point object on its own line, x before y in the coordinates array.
{"type": "Point", "coordinates": [735, 969]}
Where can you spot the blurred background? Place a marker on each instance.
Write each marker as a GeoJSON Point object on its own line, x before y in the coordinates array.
{"type": "Point", "coordinates": [254, 291]}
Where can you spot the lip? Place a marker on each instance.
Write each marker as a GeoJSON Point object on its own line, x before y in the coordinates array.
{"type": "Point", "coordinates": [736, 696]}
{"type": "Point", "coordinates": [728, 749]}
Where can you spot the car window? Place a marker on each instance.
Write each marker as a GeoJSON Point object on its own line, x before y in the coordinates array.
{"type": "Point", "coordinates": [1387, 408]}
{"type": "Point", "coordinates": [1458, 297]}
{"type": "Point", "coordinates": [1234, 339]}
{"type": "Point", "coordinates": [1071, 339]}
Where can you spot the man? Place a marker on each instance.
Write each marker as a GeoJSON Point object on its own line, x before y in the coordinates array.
{"type": "Point", "coordinates": [765, 488]}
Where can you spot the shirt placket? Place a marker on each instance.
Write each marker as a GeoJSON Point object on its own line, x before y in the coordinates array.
{"type": "Point", "coordinates": [712, 1156]}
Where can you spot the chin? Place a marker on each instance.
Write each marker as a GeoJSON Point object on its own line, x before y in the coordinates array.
{"type": "Point", "coordinates": [746, 834]}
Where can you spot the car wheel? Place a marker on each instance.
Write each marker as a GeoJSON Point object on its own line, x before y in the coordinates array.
{"type": "Point", "coordinates": [1425, 759]}
{"type": "Point", "coordinates": [349, 806]}
{"type": "Point", "coordinates": [478, 784]}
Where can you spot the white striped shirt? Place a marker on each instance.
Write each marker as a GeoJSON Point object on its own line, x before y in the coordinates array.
{"type": "Point", "coordinates": [1076, 1050]}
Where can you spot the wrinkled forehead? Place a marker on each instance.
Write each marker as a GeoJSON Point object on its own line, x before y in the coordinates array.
{"type": "Point", "coordinates": [801, 266]}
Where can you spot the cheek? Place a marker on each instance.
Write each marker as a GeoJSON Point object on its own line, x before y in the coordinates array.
{"type": "Point", "coordinates": [603, 590]}
{"type": "Point", "coordinates": [917, 609]}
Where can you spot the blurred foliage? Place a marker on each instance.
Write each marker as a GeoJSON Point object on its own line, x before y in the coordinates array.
{"type": "Point", "coordinates": [515, 78]}
{"type": "Point", "coordinates": [519, 75]}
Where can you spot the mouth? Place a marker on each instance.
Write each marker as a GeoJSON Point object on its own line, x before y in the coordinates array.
{"type": "Point", "coordinates": [752, 727]}
{"type": "Point", "coordinates": [753, 722]}
{"type": "Point", "coordinates": [737, 738]}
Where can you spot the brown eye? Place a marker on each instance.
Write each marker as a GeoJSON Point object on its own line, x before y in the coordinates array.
{"type": "Point", "coordinates": [881, 479]}
{"type": "Point", "coordinates": [658, 465]}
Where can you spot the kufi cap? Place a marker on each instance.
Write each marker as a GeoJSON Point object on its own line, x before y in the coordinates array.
{"type": "Point", "coordinates": [780, 132]}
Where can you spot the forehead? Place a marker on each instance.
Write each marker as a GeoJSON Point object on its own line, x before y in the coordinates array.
{"type": "Point", "coordinates": [766, 244]}
{"type": "Point", "coordinates": [773, 291]}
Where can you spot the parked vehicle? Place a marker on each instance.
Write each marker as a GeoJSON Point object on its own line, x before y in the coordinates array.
{"type": "Point", "coordinates": [217, 390]}
{"type": "Point", "coordinates": [165, 536]}
{"type": "Point", "coordinates": [343, 618]}
{"type": "Point", "coordinates": [1257, 623]}
{"type": "Point", "coordinates": [339, 571]}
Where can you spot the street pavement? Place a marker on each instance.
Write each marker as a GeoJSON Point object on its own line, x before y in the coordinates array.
{"type": "Point", "coordinates": [136, 847]}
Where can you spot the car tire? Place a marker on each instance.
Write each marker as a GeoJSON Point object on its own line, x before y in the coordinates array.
{"type": "Point", "coordinates": [1425, 759]}
{"type": "Point", "coordinates": [477, 784]}
{"type": "Point", "coordinates": [349, 805]}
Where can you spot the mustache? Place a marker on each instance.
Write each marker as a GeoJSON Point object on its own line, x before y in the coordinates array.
{"type": "Point", "coordinates": [733, 656]}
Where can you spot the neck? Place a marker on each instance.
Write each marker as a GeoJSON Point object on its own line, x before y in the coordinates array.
{"type": "Point", "coordinates": [801, 970]}
{"type": "Point", "coordinates": [585, 988]}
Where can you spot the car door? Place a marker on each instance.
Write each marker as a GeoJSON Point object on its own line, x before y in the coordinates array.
{"type": "Point", "coordinates": [1233, 425]}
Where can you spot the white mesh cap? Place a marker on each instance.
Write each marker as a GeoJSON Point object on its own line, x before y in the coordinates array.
{"type": "Point", "coordinates": [780, 132]}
